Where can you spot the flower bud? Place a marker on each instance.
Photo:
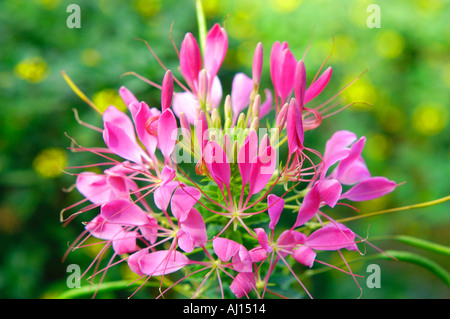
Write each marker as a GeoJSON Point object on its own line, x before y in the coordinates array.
{"type": "Point", "coordinates": [257, 64]}
{"type": "Point", "coordinates": [255, 124]}
{"type": "Point", "coordinates": [228, 108]}
{"type": "Point", "coordinates": [190, 60]}
{"type": "Point", "coordinates": [228, 123]}
{"type": "Point", "coordinates": [166, 91]}
{"type": "Point", "coordinates": [241, 121]}
{"type": "Point", "coordinates": [300, 83]}
{"type": "Point", "coordinates": [185, 128]}
{"type": "Point", "coordinates": [215, 49]}
{"type": "Point", "coordinates": [256, 106]}
{"type": "Point", "coordinates": [281, 118]}
{"type": "Point", "coordinates": [215, 118]}
{"type": "Point", "coordinates": [202, 86]}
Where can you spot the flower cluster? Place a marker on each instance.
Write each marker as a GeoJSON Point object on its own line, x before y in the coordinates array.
{"type": "Point", "coordinates": [182, 189]}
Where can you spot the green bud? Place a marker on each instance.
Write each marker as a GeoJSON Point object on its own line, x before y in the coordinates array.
{"type": "Point", "coordinates": [241, 121]}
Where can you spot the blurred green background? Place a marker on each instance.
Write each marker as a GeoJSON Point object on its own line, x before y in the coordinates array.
{"type": "Point", "coordinates": [407, 126]}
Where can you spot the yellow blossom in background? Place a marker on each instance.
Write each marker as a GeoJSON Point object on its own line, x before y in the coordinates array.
{"type": "Point", "coordinates": [379, 147]}
{"type": "Point", "coordinates": [429, 119]}
{"type": "Point", "coordinates": [428, 6]}
{"type": "Point", "coordinates": [33, 70]}
{"type": "Point", "coordinates": [50, 162]}
{"type": "Point", "coordinates": [344, 49]}
{"type": "Point", "coordinates": [93, 247]}
{"type": "Point", "coordinates": [147, 8]}
{"type": "Point", "coordinates": [49, 4]}
{"type": "Point", "coordinates": [240, 25]}
{"type": "Point", "coordinates": [389, 44]}
{"type": "Point", "coordinates": [108, 97]}
{"type": "Point", "coordinates": [358, 12]}
{"type": "Point", "coordinates": [90, 57]}
{"type": "Point", "coordinates": [285, 6]}
{"type": "Point", "coordinates": [360, 91]}
{"type": "Point", "coordinates": [211, 8]}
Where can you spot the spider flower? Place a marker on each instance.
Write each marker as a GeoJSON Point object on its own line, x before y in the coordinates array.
{"type": "Point", "coordinates": [162, 215]}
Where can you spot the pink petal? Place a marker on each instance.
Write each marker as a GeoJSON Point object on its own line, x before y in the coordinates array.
{"type": "Point", "coordinates": [133, 261]}
{"type": "Point", "coordinates": [310, 206]}
{"type": "Point", "coordinates": [369, 189]}
{"type": "Point", "coordinates": [247, 155]}
{"type": "Point", "coordinates": [183, 199]}
{"type": "Point", "coordinates": [99, 228]}
{"type": "Point", "coordinates": [123, 212]}
{"type": "Point", "coordinates": [125, 242]}
{"type": "Point", "coordinates": [216, 46]}
{"type": "Point", "coordinates": [167, 174]}
{"type": "Point", "coordinates": [276, 205]}
{"type": "Point", "coordinates": [127, 96]}
{"type": "Point", "coordinates": [330, 237]}
{"type": "Point", "coordinates": [150, 230]}
{"type": "Point", "coordinates": [242, 261]}
{"type": "Point", "coordinates": [288, 240]}
{"type": "Point", "coordinates": [263, 239]}
{"type": "Point", "coordinates": [294, 127]}
{"type": "Point", "coordinates": [163, 194]}
{"type": "Point", "coordinates": [195, 226]}
{"type": "Point", "coordinates": [215, 94]}
{"type": "Point", "coordinates": [266, 106]}
{"type": "Point", "coordinates": [354, 155]}
{"type": "Point", "coordinates": [94, 187]}
{"type": "Point", "coordinates": [300, 83]}
{"type": "Point", "coordinates": [142, 114]}
{"type": "Point", "coordinates": [262, 170]}
{"type": "Point", "coordinates": [190, 60]}
{"type": "Point", "coordinates": [257, 63]}
{"type": "Point", "coordinates": [330, 191]}
{"type": "Point", "coordinates": [304, 255]}
{"type": "Point", "coordinates": [336, 149]}
{"type": "Point", "coordinates": [201, 130]}
{"type": "Point", "coordinates": [119, 135]}
{"type": "Point", "coordinates": [277, 48]}
{"type": "Point", "coordinates": [166, 91]}
{"type": "Point", "coordinates": [119, 185]}
{"type": "Point", "coordinates": [241, 88]}
{"type": "Point", "coordinates": [242, 284]}
{"type": "Point", "coordinates": [285, 74]}
{"type": "Point", "coordinates": [162, 262]}
{"type": "Point", "coordinates": [186, 103]}
{"type": "Point", "coordinates": [258, 254]}
{"type": "Point", "coordinates": [265, 142]}
{"type": "Point", "coordinates": [217, 162]}
{"type": "Point", "coordinates": [317, 87]}
{"type": "Point", "coordinates": [185, 241]}
{"type": "Point", "coordinates": [355, 173]}
{"type": "Point", "coordinates": [225, 248]}
{"type": "Point", "coordinates": [167, 133]}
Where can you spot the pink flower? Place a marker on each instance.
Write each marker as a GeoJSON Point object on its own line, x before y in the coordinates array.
{"type": "Point", "coordinates": [101, 188]}
{"type": "Point", "coordinates": [215, 49]}
{"type": "Point", "coordinates": [282, 70]}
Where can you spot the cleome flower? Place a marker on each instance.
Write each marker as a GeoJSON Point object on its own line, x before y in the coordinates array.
{"type": "Point", "coordinates": [184, 191]}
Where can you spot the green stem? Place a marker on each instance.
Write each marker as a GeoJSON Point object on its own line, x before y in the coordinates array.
{"type": "Point", "coordinates": [397, 209]}
{"type": "Point", "coordinates": [201, 25]}
{"type": "Point", "coordinates": [104, 287]}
